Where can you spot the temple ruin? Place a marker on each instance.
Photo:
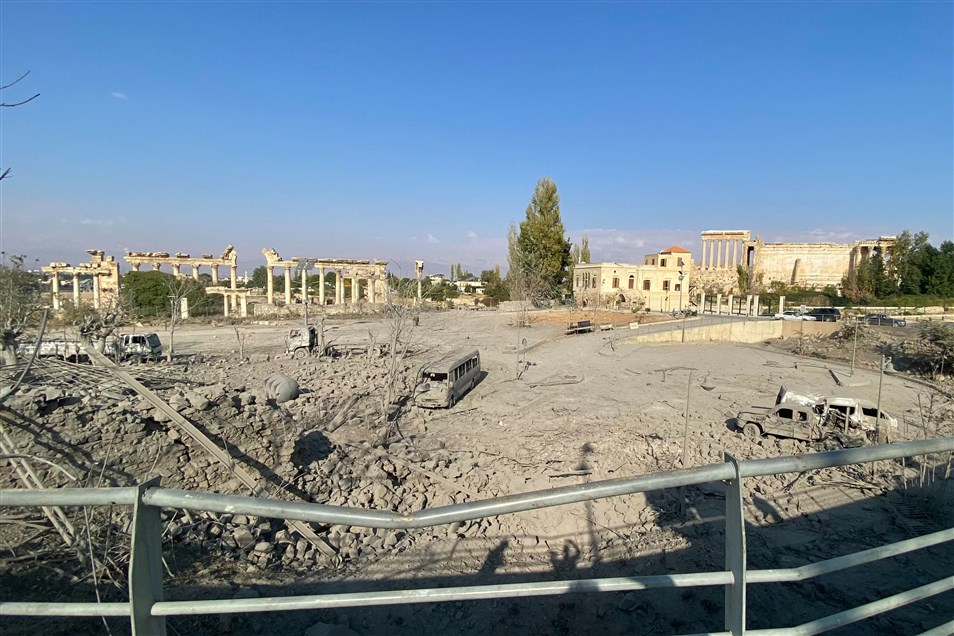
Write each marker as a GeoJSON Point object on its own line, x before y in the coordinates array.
{"type": "Point", "coordinates": [372, 272]}
{"type": "Point", "coordinates": [808, 265]}
{"type": "Point", "coordinates": [104, 273]}
{"type": "Point", "coordinates": [229, 258]}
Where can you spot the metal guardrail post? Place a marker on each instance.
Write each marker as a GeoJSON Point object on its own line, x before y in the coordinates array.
{"type": "Point", "coordinates": [735, 558]}
{"type": "Point", "coordinates": [145, 566]}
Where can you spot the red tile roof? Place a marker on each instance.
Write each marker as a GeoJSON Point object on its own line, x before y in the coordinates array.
{"type": "Point", "coordinates": [675, 249]}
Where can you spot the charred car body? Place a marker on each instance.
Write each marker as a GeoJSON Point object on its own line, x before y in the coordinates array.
{"type": "Point", "coordinates": [811, 417]}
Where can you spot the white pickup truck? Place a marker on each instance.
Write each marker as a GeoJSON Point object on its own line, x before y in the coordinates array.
{"type": "Point", "coordinates": [130, 346]}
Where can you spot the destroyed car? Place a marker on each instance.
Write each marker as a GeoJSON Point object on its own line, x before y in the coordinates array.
{"type": "Point", "coordinates": [811, 417]}
{"type": "Point", "coordinates": [788, 419]}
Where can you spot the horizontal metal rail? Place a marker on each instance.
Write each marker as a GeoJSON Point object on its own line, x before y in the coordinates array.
{"type": "Point", "coordinates": [812, 570]}
{"type": "Point", "coordinates": [65, 610]}
{"type": "Point", "coordinates": [437, 595]}
{"type": "Point", "coordinates": [147, 609]}
{"type": "Point", "coordinates": [862, 612]}
{"type": "Point", "coordinates": [327, 514]}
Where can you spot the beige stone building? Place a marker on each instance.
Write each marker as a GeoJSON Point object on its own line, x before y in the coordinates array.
{"type": "Point", "coordinates": [661, 283]}
{"type": "Point", "coordinates": [807, 265]}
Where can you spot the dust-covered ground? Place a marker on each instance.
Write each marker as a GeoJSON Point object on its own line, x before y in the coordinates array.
{"type": "Point", "coordinates": [549, 411]}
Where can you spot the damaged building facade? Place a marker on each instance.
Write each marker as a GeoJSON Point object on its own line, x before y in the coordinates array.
{"type": "Point", "coordinates": [806, 265]}
{"type": "Point", "coordinates": [661, 283]}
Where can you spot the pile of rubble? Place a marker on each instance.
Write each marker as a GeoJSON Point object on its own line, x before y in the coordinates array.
{"type": "Point", "coordinates": [122, 439]}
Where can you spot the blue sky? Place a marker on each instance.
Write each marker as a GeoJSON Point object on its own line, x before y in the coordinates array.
{"type": "Point", "coordinates": [418, 130]}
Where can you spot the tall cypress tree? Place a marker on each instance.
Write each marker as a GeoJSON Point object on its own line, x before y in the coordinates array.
{"type": "Point", "coordinates": [544, 252]}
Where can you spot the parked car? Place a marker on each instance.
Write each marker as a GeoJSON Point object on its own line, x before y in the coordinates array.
{"type": "Point", "coordinates": [882, 319]}
{"type": "Point", "coordinates": [825, 314]}
{"type": "Point", "coordinates": [793, 315]}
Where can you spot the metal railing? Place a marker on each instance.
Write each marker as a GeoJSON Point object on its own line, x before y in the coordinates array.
{"type": "Point", "coordinates": [147, 609]}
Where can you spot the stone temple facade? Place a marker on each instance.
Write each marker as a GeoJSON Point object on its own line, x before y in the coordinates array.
{"type": "Point", "coordinates": [807, 265]}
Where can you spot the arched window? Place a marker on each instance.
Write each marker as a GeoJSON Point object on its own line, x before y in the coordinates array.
{"type": "Point", "coordinates": [632, 281]}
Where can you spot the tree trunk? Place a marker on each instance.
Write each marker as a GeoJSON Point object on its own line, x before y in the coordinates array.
{"type": "Point", "coordinates": [8, 352]}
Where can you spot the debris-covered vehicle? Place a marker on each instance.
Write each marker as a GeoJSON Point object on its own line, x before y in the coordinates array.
{"type": "Point", "coordinates": [136, 346]}
{"type": "Point", "coordinates": [811, 417]}
{"type": "Point", "coordinates": [788, 419]}
{"type": "Point", "coordinates": [443, 382]}
{"type": "Point", "coordinates": [130, 346]}
{"type": "Point", "coordinates": [305, 341]}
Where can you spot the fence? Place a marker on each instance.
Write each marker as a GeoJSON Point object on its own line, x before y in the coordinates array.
{"type": "Point", "coordinates": [147, 609]}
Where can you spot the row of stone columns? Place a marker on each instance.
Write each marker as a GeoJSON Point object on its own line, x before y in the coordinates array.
{"type": "Point", "coordinates": [752, 304]}
{"type": "Point", "coordinates": [76, 291]}
{"type": "Point", "coordinates": [722, 253]}
{"type": "Point", "coordinates": [339, 296]}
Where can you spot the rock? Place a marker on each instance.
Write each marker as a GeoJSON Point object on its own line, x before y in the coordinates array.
{"type": "Point", "coordinates": [198, 402]}
{"type": "Point", "coordinates": [243, 537]}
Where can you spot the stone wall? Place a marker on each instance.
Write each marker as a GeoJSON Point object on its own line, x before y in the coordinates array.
{"type": "Point", "coordinates": [804, 264]}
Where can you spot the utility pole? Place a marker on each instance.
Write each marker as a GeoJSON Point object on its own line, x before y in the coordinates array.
{"type": "Point", "coordinates": [881, 432]}
{"type": "Point", "coordinates": [854, 347]}
{"type": "Point", "coordinates": [681, 276]}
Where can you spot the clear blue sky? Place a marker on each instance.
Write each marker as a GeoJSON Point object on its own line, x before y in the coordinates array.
{"type": "Point", "coordinates": [418, 130]}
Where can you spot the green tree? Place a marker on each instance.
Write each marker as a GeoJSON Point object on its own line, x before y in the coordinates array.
{"type": "Point", "coordinates": [908, 258]}
{"type": "Point", "coordinates": [539, 253]}
{"type": "Point", "coordinates": [494, 286]}
{"type": "Point", "coordinates": [939, 280]}
{"type": "Point", "coordinates": [148, 293]}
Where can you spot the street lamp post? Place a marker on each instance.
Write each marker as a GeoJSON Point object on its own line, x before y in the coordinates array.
{"type": "Point", "coordinates": [682, 275]}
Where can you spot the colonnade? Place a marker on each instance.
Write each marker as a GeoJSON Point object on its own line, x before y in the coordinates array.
{"type": "Point", "coordinates": [369, 275]}
{"type": "Point", "coordinates": [723, 250]}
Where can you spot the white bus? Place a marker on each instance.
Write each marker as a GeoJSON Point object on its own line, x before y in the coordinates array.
{"type": "Point", "coordinates": [443, 382]}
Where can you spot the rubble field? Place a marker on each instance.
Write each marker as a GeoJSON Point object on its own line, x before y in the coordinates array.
{"type": "Point", "coordinates": [549, 410]}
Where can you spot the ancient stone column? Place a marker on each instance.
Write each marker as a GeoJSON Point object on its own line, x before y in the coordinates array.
{"type": "Point", "coordinates": [702, 303]}
{"type": "Point", "coordinates": [718, 304]}
{"type": "Point", "coordinates": [304, 285]}
{"type": "Point", "coordinates": [244, 306]}
{"type": "Point", "coordinates": [321, 286]}
{"type": "Point", "coordinates": [781, 304]}
{"type": "Point", "coordinates": [354, 290]}
{"type": "Point", "coordinates": [702, 255]}
{"type": "Point", "coordinates": [76, 290]}
{"type": "Point", "coordinates": [731, 303]}
{"type": "Point", "coordinates": [270, 284]}
{"type": "Point", "coordinates": [233, 275]}
{"type": "Point", "coordinates": [56, 291]}
{"type": "Point", "coordinates": [735, 253]}
{"type": "Point", "coordinates": [95, 291]}
{"type": "Point", "coordinates": [339, 288]}
{"type": "Point", "coordinates": [215, 274]}
{"type": "Point", "coordinates": [225, 304]}
{"type": "Point", "coordinates": [195, 272]}
{"type": "Point", "coordinates": [135, 267]}
{"type": "Point", "coordinates": [370, 290]}
{"type": "Point", "coordinates": [184, 308]}
{"type": "Point", "coordinates": [755, 305]}
{"type": "Point", "coordinates": [175, 270]}
{"type": "Point", "coordinates": [287, 285]}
